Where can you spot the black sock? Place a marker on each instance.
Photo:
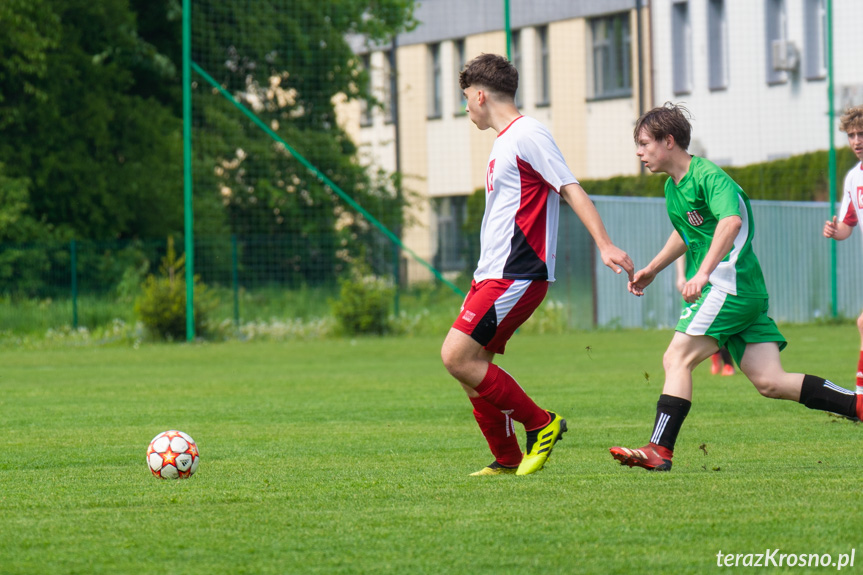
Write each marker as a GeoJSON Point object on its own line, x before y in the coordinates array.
{"type": "Point", "coordinates": [670, 413]}
{"type": "Point", "coordinates": [819, 393]}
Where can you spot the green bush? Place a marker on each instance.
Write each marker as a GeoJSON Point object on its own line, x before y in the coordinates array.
{"type": "Point", "coordinates": [162, 304]}
{"type": "Point", "coordinates": [363, 305]}
{"type": "Point", "coordinates": [798, 178]}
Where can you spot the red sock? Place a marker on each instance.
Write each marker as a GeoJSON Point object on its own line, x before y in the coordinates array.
{"type": "Point", "coordinates": [499, 432]}
{"type": "Point", "coordinates": [860, 373]}
{"type": "Point", "coordinates": [503, 392]}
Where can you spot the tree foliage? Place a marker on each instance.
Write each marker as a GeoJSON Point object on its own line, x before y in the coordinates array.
{"type": "Point", "coordinates": [101, 157]}
{"type": "Point", "coordinates": [29, 33]}
{"type": "Point", "coordinates": [289, 73]}
{"type": "Point", "coordinates": [91, 119]}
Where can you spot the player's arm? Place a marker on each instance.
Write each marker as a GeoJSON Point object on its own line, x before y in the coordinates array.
{"type": "Point", "coordinates": [670, 252]}
{"type": "Point", "coordinates": [680, 266]}
{"type": "Point", "coordinates": [723, 240]}
{"type": "Point", "coordinates": [836, 229]}
{"type": "Point", "coordinates": [581, 204]}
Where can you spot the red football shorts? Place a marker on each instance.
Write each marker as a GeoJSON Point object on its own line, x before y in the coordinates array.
{"type": "Point", "coordinates": [494, 309]}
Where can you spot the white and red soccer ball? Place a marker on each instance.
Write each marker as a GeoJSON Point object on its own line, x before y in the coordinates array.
{"type": "Point", "coordinates": [172, 455]}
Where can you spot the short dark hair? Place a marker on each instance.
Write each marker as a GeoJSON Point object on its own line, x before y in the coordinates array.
{"type": "Point", "coordinates": [492, 72]}
{"type": "Point", "coordinates": [668, 119]}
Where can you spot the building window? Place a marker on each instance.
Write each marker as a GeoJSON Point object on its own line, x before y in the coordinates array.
{"type": "Point", "coordinates": [717, 45]}
{"type": "Point", "coordinates": [365, 105]}
{"type": "Point", "coordinates": [543, 91]}
{"type": "Point", "coordinates": [815, 24]}
{"type": "Point", "coordinates": [681, 48]}
{"type": "Point", "coordinates": [459, 62]}
{"type": "Point", "coordinates": [434, 95]}
{"type": "Point", "coordinates": [777, 37]}
{"type": "Point", "coordinates": [452, 245]}
{"type": "Point", "coordinates": [515, 40]}
{"type": "Point", "coordinates": [388, 89]}
{"type": "Point", "coordinates": [612, 75]}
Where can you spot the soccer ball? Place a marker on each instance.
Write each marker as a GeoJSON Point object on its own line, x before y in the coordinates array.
{"type": "Point", "coordinates": [172, 455]}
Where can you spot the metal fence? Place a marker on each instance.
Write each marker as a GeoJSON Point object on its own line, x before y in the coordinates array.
{"type": "Point", "coordinates": [88, 283]}
{"type": "Point", "coordinates": [795, 257]}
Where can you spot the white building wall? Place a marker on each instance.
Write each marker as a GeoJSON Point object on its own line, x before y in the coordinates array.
{"type": "Point", "coordinates": [610, 146]}
{"type": "Point", "coordinates": [752, 120]}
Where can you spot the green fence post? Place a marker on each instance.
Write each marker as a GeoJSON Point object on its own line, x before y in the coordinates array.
{"type": "Point", "coordinates": [507, 30]}
{"type": "Point", "coordinates": [397, 280]}
{"type": "Point", "coordinates": [831, 163]}
{"type": "Point", "coordinates": [235, 280]}
{"type": "Point", "coordinates": [73, 263]}
{"type": "Point", "coordinates": [187, 170]}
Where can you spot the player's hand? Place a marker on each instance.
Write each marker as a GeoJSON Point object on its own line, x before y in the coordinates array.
{"type": "Point", "coordinates": [640, 280]}
{"type": "Point", "coordinates": [830, 228]}
{"type": "Point", "coordinates": [618, 260]}
{"type": "Point", "coordinates": [692, 289]}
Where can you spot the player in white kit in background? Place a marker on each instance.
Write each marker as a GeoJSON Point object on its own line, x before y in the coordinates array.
{"type": "Point", "coordinates": [852, 203]}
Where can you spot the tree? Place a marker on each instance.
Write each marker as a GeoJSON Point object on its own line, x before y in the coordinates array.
{"type": "Point", "coordinates": [103, 160]}
{"type": "Point", "coordinates": [29, 32]}
{"type": "Point", "coordinates": [91, 120]}
{"type": "Point", "coordinates": [287, 63]}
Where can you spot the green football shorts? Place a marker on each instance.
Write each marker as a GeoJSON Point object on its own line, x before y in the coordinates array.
{"type": "Point", "coordinates": [733, 321]}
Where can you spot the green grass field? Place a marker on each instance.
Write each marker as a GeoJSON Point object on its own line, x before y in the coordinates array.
{"type": "Point", "coordinates": [352, 456]}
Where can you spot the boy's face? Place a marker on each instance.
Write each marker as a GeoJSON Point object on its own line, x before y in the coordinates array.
{"type": "Point", "coordinates": [855, 140]}
{"type": "Point", "coordinates": [652, 153]}
{"type": "Point", "coordinates": [474, 100]}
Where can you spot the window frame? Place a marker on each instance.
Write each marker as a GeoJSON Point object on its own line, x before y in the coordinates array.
{"type": "Point", "coordinates": [611, 56]}
{"type": "Point", "coordinates": [366, 108]}
{"type": "Point", "coordinates": [543, 79]}
{"type": "Point", "coordinates": [815, 39]}
{"type": "Point", "coordinates": [717, 45]}
{"type": "Point", "coordinates": [681, 48]}
{"type": "Point", "coordinates": [450, 216]}
{"type": "Point", "coordinates": [459, 61]}
{"type": "Point", "coordinates": [435, 78]}
{"type": "Point", "coordinates": [517, 58]}
{"type": "Point", "coordinates": [775, 28]}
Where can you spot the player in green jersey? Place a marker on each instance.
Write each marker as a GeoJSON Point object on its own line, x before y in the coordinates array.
{"type": "Point", "coordinates": [727, 297]}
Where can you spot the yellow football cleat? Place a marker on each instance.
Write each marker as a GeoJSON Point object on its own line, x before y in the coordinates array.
{"type": "Point", "coordinates": [494, 468]}
{"type": "Point", "coordinates": [540, 442]}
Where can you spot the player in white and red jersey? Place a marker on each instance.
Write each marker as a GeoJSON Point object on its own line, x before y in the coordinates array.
{"type": "Point", "coordinates": [525, 178]}
{"type": "Point", "coordinates": [519, 227]}
{"type": "Point", "coordinates": [851, 210]}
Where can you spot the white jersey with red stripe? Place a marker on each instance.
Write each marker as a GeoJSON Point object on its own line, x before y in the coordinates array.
{"type": "Point", "coordinates": [852, 197]}
{"type": "Point", "coordinates": [523, 179]}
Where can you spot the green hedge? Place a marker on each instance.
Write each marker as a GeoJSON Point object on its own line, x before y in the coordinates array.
{"type": "Point", "coordinates": [798, 178]}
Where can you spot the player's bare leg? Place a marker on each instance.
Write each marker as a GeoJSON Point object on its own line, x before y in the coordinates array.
{"type": "Point", "coordinates": [468, 362]}
{"type": "Point", "coordinates": [465, 359]}
{"type": "Point", "coordinates": [684, 354]}
{"type": "Point", "coordinates": [498, 400]}
{"type": "Point", "coordinates": [761, 364]}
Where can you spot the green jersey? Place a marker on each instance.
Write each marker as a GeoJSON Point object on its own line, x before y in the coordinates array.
{"type": "Point", "coordinates": [705, 195]}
